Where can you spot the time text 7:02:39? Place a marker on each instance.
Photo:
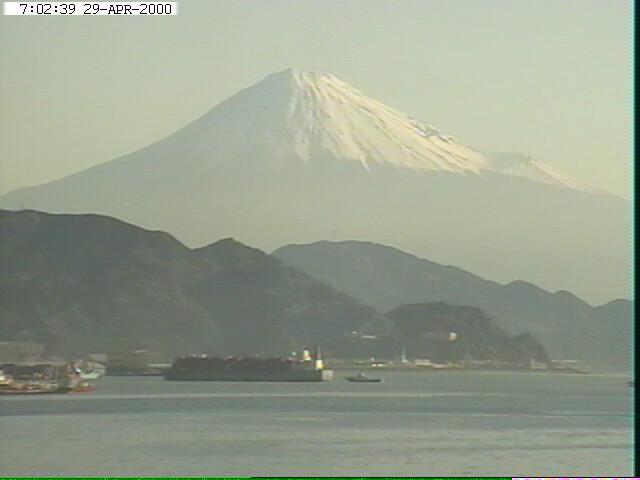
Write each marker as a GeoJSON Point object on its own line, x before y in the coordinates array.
{"type": "Point", "coordinates": [90, 8]}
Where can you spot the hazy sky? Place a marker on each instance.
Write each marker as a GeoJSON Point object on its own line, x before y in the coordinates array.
{"type": "Point", "coordinates": [547, 78]}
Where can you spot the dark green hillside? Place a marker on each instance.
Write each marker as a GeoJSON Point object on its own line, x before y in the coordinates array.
{"type": "Point", "coordinates": [92, 283]}
{"type": "Point", "coordinates": [385, 278]}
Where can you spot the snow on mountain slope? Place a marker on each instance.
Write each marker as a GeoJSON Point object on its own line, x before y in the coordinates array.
{"type": "Point", "coordinates": [299, 116]}
{"type": "Point", "coordinates": [295, 117]}
{"type": "Point", "coordinates": [524, 166]}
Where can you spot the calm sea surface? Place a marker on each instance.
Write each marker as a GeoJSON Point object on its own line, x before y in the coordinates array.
{"type": "Point", "coordinates": [414, 423]}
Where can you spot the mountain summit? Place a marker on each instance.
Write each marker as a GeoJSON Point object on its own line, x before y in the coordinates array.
{"type": "Point", "coordinates": [300, 157]}
{"type": "Point", "coordinates": [301, 116]}
{"type": "Point", "coordinates": [293, 117]}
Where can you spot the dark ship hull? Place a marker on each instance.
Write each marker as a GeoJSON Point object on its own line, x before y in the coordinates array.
{"type": "Point", "coordinates": [251, 369]}
{"type": "Point", "coordinates": [363, 380]}
{"type": "Point", "coordinates": [291, 376]}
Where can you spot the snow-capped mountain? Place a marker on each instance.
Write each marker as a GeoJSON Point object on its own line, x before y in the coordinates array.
{"type": "Point", "coordinates": [296, 117]}
{"type": "Point", "coordinates": [301, 156]}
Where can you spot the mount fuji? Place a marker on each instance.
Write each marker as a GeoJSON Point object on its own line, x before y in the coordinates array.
{"type": "Point", "coordinates": [301, 156]}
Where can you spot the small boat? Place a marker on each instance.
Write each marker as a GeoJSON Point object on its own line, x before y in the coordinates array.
{"type": "Point", "coordinates": [361, 377]}
{"type": "Point", "coordinates": [630, 384]}
{"type": "Point", "coordinates": [91, 370]}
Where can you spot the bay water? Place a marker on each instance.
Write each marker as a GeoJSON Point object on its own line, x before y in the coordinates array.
{"type": "Point", "coordinates": [411, 424]}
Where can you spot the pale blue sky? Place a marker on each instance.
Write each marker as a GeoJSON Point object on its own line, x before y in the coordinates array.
{"type": "Point", "coordinates": [551, 78]}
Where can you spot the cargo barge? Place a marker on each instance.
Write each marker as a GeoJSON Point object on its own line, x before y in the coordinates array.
{"type": "Point", "coordinates": [249, 369]}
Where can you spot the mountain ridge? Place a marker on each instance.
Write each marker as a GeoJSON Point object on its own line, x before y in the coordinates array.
{"type": "Point", "coordinates": [512, 283]}
{"type": "Point", "coordinates": [82, 284]}
{"type": "Point", "coordinates": [94, 283]}
{"type": "Point", "coordinates": [387, 278]}
{"type": "Point", "coordinates": [299, 157]}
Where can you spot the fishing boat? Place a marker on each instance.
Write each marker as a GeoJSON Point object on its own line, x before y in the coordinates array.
{"type": "Point", "coordinates": [361, 377]}
{"type": "Point", "coordinates": [36, 379]}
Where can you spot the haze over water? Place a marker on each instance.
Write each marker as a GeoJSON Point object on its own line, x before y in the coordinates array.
{"type": "Point", "coordinates": [412, 424]}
